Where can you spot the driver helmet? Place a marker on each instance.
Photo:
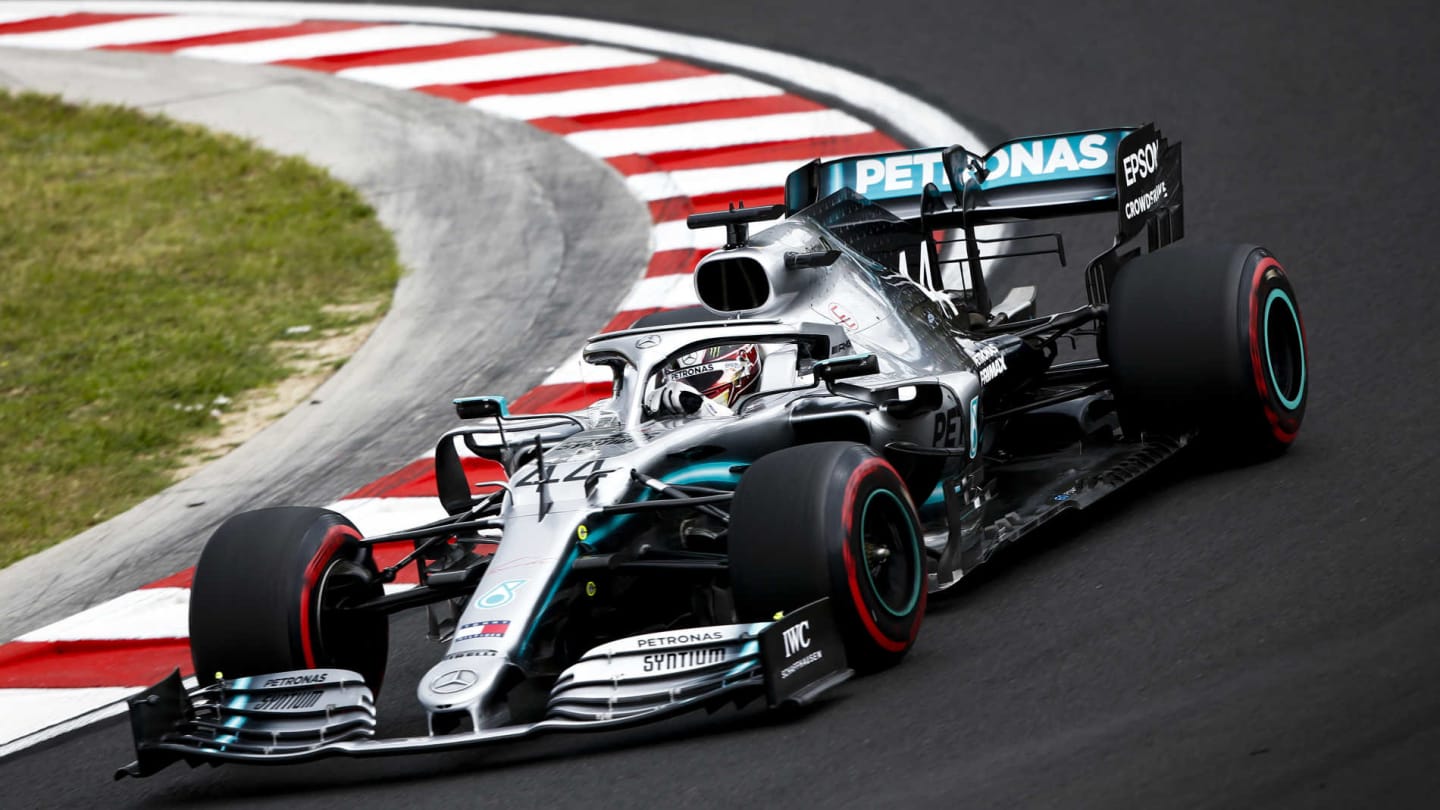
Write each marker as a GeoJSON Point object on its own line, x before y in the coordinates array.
{"type": "Point", "coordinates": [722, 374]}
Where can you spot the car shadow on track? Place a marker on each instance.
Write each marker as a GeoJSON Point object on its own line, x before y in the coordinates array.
{"type": "Point", "coordinates": [1187, 468]}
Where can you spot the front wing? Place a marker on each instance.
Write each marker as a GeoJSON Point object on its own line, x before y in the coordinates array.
{"type": "Point", "coordinates": [310, 714]}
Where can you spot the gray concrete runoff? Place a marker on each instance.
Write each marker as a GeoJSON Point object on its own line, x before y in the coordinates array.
{"type": "Point", "coordinates": [517, 247]}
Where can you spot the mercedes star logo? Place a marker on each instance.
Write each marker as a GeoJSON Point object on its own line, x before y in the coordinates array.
{"type": "Point", "coordinates": [454, 681]}
{"type": "Point", "coordinates": [649, 341]}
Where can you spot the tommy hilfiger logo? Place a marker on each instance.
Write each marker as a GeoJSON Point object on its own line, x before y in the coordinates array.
{"type": "Point", "coordinates": [487, 629]}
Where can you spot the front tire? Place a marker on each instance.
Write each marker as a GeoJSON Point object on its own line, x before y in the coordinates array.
{"type": "Point", "coordinates": [831, 520]}
{"type": "Point", "coordinates": [270, 595]}
{"type": "Point", "coordinates": [1210, 336]}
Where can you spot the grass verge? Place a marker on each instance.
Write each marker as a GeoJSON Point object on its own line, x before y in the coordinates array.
{"type": "Point", "coordinates": [148, 272]}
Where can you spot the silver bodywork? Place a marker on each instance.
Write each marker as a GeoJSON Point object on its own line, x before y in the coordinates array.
{"type": "Point", "coordinates": [852, 306]}
{"type": "Point", "coordinates": [990, 436]}
{"type": "Point", "coordinates": [855, 349]}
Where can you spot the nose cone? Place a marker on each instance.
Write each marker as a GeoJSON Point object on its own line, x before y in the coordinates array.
{"type": "Point", "coordinates": [461, 684]}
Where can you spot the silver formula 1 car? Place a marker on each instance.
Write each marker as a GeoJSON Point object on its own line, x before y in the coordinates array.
{"type": "Point", "coordinates": [781, 475]}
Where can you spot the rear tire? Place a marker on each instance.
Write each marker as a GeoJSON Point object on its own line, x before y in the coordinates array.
{"type": "Point", "coordinates": [269, 594]}
{"type": "Point", "coordinates": [811, 521]}
{"type": "Point", "coordinates": [1210, 336]}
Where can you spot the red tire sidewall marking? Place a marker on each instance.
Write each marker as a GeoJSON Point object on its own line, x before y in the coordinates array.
{"type": "Point", "coordinates": [857, 478]}
{"type": "Point", "coordinates": [335, 536]}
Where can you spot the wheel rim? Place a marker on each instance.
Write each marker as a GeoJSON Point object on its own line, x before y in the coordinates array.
{"type": "Point", "coordinates": [343, 584]}
{"type": "Point", "coordinates": [891, 554]}
{"type": "Point", "coordinates": [1284, 350]}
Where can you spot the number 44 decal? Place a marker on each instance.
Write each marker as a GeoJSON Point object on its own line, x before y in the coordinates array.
{"type": "Point", "coordinates": [552, 474]}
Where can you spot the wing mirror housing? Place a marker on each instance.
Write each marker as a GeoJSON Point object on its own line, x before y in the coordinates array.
{"type": "Point", "coordinates": [819, 258]}
{"type": "Point", "coordinates": [481, 407]}
{"type": "Point", "coordinates": [846, 366]}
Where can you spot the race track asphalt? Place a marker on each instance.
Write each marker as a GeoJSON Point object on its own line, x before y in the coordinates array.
{"type": "Point", "coordinates": [1261, 636]}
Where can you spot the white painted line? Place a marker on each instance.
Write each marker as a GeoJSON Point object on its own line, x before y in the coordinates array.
{"type": "Point", "coordinates": [665, 292]}
{"type": "Point", "coordinates": [376, 516]}
{"type": "Point", "coordinates": [694, 182]}
{"type": "Point", "coordinates": [618, 98]}
{"type": "Point", "coordinates": [576, 371]}
{"type": "Point", "coordinates": [147, 613]}
{"type": "Point", "coordinates": [132, 32]}
{"type": "Point", "coordinates": [30, 711]}
{"type": "Point", "coordinates": [333, 43]}
{"type": "Point", "coordinates": [83, 707]}
{"type": "Point", "coordinates": [718, 132]}
{"type": "Point", "coordinates": [497, 66]}
{"type": "Point", "coordinates": [917, 119]}
{"type": "Point", "coordinates": [676, 235]}
{"type": "Point", "coordinates": [33, 12]}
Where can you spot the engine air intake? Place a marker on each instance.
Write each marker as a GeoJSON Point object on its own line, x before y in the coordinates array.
{"type": "Point", "coordinates": [732, 284]}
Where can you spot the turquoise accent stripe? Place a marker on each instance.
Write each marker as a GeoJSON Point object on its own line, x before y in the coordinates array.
{"type": "Point", "coordinates": [549, 597]}
{"type": "Point", "coordinates": [749, 648]}
{"type": "Point", "coordinates": [237, 702]}
{"type": "Point", "coordinates": [1289, 403]}
{"type": "Point", "coordinates": [936, 498]}
{"type": "Point", "coordinates": [974, 426]}
{"type": "Point", "coordinates": [708, 473]}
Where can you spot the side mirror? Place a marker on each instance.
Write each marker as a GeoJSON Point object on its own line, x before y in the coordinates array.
{"type": "Point", "coordinates": [843, 368]}
{"type": "Point", "coordinates": [481, 407]}
{"type": "Point", "coordinates": [819, 258]}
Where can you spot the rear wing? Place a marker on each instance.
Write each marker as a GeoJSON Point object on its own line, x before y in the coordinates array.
{"type": "Point", "coordinates": [1132, 171]}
